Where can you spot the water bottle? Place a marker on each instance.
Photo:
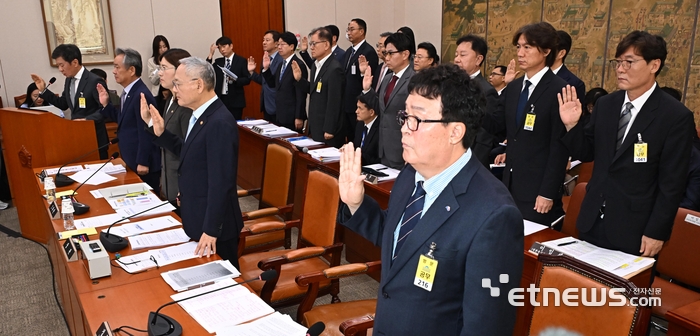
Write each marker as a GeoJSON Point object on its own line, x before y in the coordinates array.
{"type": "Point", "coordinates": [50, 188]}
{"type": "Point", "coordinates": [67, 211]}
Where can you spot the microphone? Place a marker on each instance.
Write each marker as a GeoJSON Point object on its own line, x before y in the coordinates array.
{"type": "Point", "coordinates": [302, 149]}
{"type": "Point", "coordinates": [316, 329]}
{"type": "Point", "coordinates": [62, 180]}
{"type": "Point", "coordinates": [51, 81]}
{"type": "Point", "coordinates": [114, 243]}
{"type": "Point", "coordinates": [160, 324]}
{"type": "Point", "coordinates": [80, 208]}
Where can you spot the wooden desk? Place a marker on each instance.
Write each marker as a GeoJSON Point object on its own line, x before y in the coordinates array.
{"type": "Point", "coordinates": [684, 321]}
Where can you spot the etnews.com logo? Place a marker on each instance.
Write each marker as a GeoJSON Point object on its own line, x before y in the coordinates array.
{"type": "Point", "coordinates": [573, 297]}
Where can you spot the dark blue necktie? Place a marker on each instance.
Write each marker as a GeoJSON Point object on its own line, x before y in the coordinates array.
{"type": "Point", "coordinates": [522, 101]}
{"type": "Point", "coordinates": [364, 134]}
{"type": "Point", "coordinates": [411, 216]}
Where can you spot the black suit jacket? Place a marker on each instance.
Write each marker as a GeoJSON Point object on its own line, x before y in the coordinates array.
{"type": "Point", "coordinates": [574, 81]}
{"type": "Point", "coordinates": [370, 150]}
{"type": "Point", "coordinates": [338, 53]}
{"type": "Point", "coordinates": [290, 98]}
{"type": "Point", "coordinates": [88, 86]}
{"type": "Point", "coordinates": [235, 99]}
{"type": "Point", "coordinates": [640, 198]}
{"type": "Point", "coordinates": [484, 141]}
{"type": "Point", "coordinates": [325, 114]}
{"type": "Point", "coordinates": [353, 82]}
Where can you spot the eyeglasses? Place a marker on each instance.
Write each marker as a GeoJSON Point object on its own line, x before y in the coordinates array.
{"type": "Point", "coordinates": [412, 122]}
{"type": "Point", "coordinates": [351, 29]}
{"type": "Point", "coordinates": [312, 44]}
{"type": "Point", "coordinates": [496, 74]}
{"type": "Point", "coordinates": [626, 64]}
{"type": "Point", "coordinates": [379, 45]}
{"type": "Point", "coordinates": [164, 68]}
{"type": "Point", "coordinates": [389, 53]}
{"type": "Point", "coordinates": [176, 85]}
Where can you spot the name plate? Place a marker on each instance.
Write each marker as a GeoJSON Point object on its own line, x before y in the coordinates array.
{"type": "Point", "coordinates": [53, 210]}
{"type": "Point", "coordinates": [70, 251]}
{"type": "Point", "coordinates": [538, 249]}
{"type": "Point", "coordinates": [257, 129]}
{"type": "Point", "coordinates": [104, 330]}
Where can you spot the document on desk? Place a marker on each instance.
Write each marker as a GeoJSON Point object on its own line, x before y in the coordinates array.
{"type": "Point", "coordinates": [87, 177]}
{"type": "Point", "coordinates": [109, 168]}
{"type": "Point", "coordinates": [66, 169]}
{"type": "Point", "coordinates": [328, 154]}
{"type": "Point", "coordinates": [97, 221]}
{"type": "Point", "coordinates": [173, 254]}
{"type": "Point", "coordinates": [120, 191]}
{"type": "Point", "coordinates": [275, 324]}
{"type": "Point", "coordinates": [136, 263]}
{"type": "Point", "coordinates": [251, 123]}
{"type": "Point", "coordinates": [158, 239]}
{"type": "Point", "coordinates": [134, 209]}
{"type": "Point", "coordinates": [145, 226]}
{"type": "Point", "coordinates": [143, 198]}
{"type": "Point", "coordinates": [200, 275]}
{"type": "Point", "coordinates": [227, 307]}
{"type": "Point", "coordinates": [303, 141]}
{"type": "Point", "coordinates": [390, 173]}
{"type": "Point", "coordinates": [616, 262]}
{"type": "Point", "coordinates": [278, 132]}
{"type": "Point", "coordinates": [532, 227]}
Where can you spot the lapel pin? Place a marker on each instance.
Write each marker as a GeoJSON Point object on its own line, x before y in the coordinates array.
{"type": "Point", "coordinates": [447, 208]}
{"type": "Point", "coordinates": [201, 122]}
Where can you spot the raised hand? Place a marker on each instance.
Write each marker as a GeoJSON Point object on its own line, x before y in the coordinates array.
{"type": "Point", "coordinates": [251, 65]}
{"type": "Point", "coordinates": [511, 73]}
{"type": "Point", "coordinates": [367, 79]}
{"type": "Point", "coordinates": [296, 71]}
{"type": "Point", "coordinates": [103, 94]}
{"type": "Point", "coordinates": [362, 60]}
{"type": "Point", "coordinates": [148, 113]}
{"type": "Point", "coordinates": [266, 60]}
{"type": "Point", "coordinates": [569, 107]}
{"type": "Point", "coordinates": [350, 181]}
{"type": "Point", "coordinates": [40, 84]}
{"type": "Point", "coordinates": [304, 44]}
{"type": "Point", "coordinates": [212, 48]}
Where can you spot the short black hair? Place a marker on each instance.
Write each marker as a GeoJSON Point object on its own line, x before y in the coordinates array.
{"type": "Point", "coordinates": [335, 31]}
{"type": "Point", "coordinates": [400, 41]}
{"type": "Point", "coordinates": [100, 73]}
{"type": "Point", "coordinates": [409, 32]}
{"type": "Point", "coordinates": [649, 46]}
{"type": "Point", "coordinates": [564, 43]}
{"type": "Point", "coordinates": [68, 52]}
{"type": "Point", "coordinates": [461, 98]}
{"type": "Point", "coordinates": [541, 35]}
{"type": "Point", "coordinates": [593, 95]}
{"type": "Point", "coordinates": [361, 23]}
{"type": "Point", "coordinates": [275, 34]}
{"type": "Point", "coordinates": [363, 99]}
{"type": "Point", "coordinates": [478, 45]}
{"type": "Point", "coordinates": [224, 40]}
{"type": "Point", "coordinates": [675, 93]}
{"type": "Point", "coordinates": [503, 69]}
{"type": "Point", "coordinates": [156, 47]}
{"type": "Point", "coordinates": [432, 52]}
{"type": "Point", "coordinates": [289, 38]}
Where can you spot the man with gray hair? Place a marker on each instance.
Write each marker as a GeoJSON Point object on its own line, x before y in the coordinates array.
{"type": "Point", "coordinates": [135, 143]}
{"type": "Point", "coordinates": [208, 160]}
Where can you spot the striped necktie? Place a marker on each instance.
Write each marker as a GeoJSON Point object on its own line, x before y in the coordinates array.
{"type": "Point", "coordinates": [625, 118]}
{"type": "Point", "coordinates": [411, 216]}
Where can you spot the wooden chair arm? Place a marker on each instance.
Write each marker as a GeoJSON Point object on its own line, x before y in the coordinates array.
{"type": "Point", "coordinates": [250, 192]}
{"type": "Point", "coordinates": [297, 255]}
{"type": "Point", "coordinates": [268, 212]}
{"type": "Point", "coordinates": [357, 326]}
{"type": "Point", "coordinates": [264, 227]}
{"type": "Point", "coordinates": [338, 272]}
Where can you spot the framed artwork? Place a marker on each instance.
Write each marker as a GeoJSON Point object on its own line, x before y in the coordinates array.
{"type": "Point", "coordinates": [85, 23]}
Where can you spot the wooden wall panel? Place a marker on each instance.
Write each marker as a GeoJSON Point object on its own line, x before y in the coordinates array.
{"type": "Point", "coordinates": [505, 17]}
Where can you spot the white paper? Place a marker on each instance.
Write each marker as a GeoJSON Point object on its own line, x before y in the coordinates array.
{"type": "Point", "coordinates": [695, 220]}
{"type": "Point", "coordinates": [253, 122]}
{"type": "Point", "coordinates": [132, 210]}
{"type": "Point", "coordinates": [108, 168]}
{"type": "Point", "coordinates": [173, 254]}
{"type": "Point", "coordinates": [136, 262]}
{"type": "Point", "coordinates": [275, 324]}
{"type": "Point", "coordinates": [532, 227]}
{"type": "Point", "coordinates": [157, 239]}
{"type": "Point", "coordinates": [49, 108]}
{"type": "Point", "coordinates": [96, 179]}
{"type": "Point", "coordinates": [123, 190]}
{"type": "Point", "coordinates": [143, 199]}
{"type": "Point", "coordinates": [304, 142]}
{"type": "Point", "coordinates": [497, 165]}
{"type": "Point", "coordinates": [148, 225]}
{"type": "Point", "coordinates": [228, 73]}
{"type": "Point", "coordinates": [328, 154]}
{"type": "Point", "coordinates": [278, 132]}
{"type": "Point", "coordinates": [97, 221]}
{"type": "Point", "coordinates": [66, 169]}
{"type": "Point", "coordinates": [200, 275]}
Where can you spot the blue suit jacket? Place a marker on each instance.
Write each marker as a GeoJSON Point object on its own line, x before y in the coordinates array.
{"type": "Point", "coordinates": [135, 142]}
{"type": "Point", "coordinates": [268, 93]}
{"type": "Point", "coordinates": [479, 234]}
{"type": "Point", "coordinates": [207, 174]}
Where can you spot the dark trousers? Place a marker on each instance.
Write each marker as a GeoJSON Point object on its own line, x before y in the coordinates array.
{"type": "Point", "coordinates": [237, 112]}
{"type": "Point", "coordinates": [528, 212]}
{"type": "Point", "coordinates": [271, 118]}
{"type": "Point", "coordinates": [228, 250]}
{"type": "Point", "coordinates": [350, 123]}
{"type": "Point", "coordinates": [153, 180]}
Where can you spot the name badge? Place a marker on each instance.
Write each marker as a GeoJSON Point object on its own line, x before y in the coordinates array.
{"type": "Point", "coordinates": [426, 270]}
{"type": "Point", "coordinates": [318, 87]}
{"type": "Point", "coordinates": [81, 101]}
{"type": "Point", "coordinates": [352, 69]}
{"type": "Point", "coordinates": [530, 119]}
{"type": "Point", "coordinates": [640, 150]}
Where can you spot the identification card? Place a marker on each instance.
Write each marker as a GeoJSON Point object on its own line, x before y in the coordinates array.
{"type": "Point", "coordinates": [81, 101]}
{"type": "Point", "coordinates": [352, 69]}
{"type": "Point", "coordinates": [640, 152]}
{"type": "Point", "coordinates": [529, 122]}
{"type": "Point", "coordinates": [425, 272]}
{"type": "Point", "coordinates": [318, 87]}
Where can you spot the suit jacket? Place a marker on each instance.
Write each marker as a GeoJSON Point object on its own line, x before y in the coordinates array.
{"type": "Point", "coordinates": [390, 148]}
{"type": "Point", "coordinates": [370, 154]}
{"type": "Point", "coordinates": [535, 160]}
{"type": "Point", "coordinates": [574, 81]}
{"type": "Point", "coordinates": [325, 114]}
{"type": "Point", "coordinates": [484, 141]}
{"type": "Point", "coordinates": [338, 53]}
{"type": "Point", "coordinates": [207, 174]}
{"type": "Point", "coordinates": [177, 120]}
{"type": "Point", "coordinates": [479, 234]}
{"type": "Point", "coordinates": [267, 95]}
{"type": "Point", "coordinates": [290, 99]}
{"type": "Point", "coordinates": [640, 198]}
{"type": "Point", "coordinates": [88, 86]}
{"type": "Point", "coordinates": [353, 81]}
{"type": "Point", "coordinates": [135, 142]}
{"type": "Point", "coordinates": [377, 72]}
{"type": "Point", "coordinates": [235, 99]}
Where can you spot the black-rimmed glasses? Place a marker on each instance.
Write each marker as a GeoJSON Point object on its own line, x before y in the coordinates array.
{"type": "Point", "coordinates": [412, 122]}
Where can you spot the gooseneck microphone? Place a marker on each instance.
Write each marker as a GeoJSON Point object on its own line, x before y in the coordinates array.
{"type": "Point", "coordinates": [51, 81]}
{"type": "Point", "coordinates": [80, 208]}
{"type": "Point", "coordinates": [161, 325]}
{"type": "Point", "coordinates": [114, 243]}
{"type": "Point", "coordinates": [62, 180]}
{"type": "Point", "coordinates": [316, 329]}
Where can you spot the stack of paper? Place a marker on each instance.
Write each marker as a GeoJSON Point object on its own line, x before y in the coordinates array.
{"type": "Point", "coordinates": [200, 275]}
{"type": "Point", "coordinates": [390, 173]}
{"type": "Point", "coordinates": [149, 225]}
{"type": "Point", "coordinates": [98, 221]}
{"type": "Point", "coordinates": [108, 168]}
{"type": "Point", "coordinates": [146, 260]}
{"type": "Point", "coordinates": [303, 141]}
{"type": "Point", "coordinates": [275, 324]}
{"type": "Point", "coordinates": [251, 123]}
{"type": "Point", "coordinates": [87, 177]}
{"type": "Point", "coordinates": [120, 191]}
{"type": "Point", "coordinates": [158, 239]}
{"type": "Point", "coordinates": [329, 154]}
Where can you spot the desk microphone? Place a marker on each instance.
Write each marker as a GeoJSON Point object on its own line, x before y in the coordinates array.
{"type": "Point", "coordinates": [114, 243]}
{"type": "Point", "coordinates": [160, 325]}
{"type": "Point", "coordinates": [302, 149]}
{"type": "Point", "coordinates": [80, 208]}
{"type": "Point", "coordinates": [51, 81]}
{"type": "Point", "coordinates": [62, 180]}
{"type": "Point", "coordinates": [316, 329]}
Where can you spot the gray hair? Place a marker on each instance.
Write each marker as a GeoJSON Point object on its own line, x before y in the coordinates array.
{"type": "Point", "coordinates": [196, 67]}
{"type": "Point", "coordinates": [385, 34]}
{"type": "Point", "coordinates": [132, 58]}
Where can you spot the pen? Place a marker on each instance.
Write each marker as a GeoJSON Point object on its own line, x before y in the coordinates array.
{"type": "Point", "coordinates": [568, 243]}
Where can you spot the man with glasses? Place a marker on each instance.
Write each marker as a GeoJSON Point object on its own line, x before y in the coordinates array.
{"type": "Point", "coordinates": [337, 52]}
{"type": "Point", "coordinates": [356, 33]}
{"type": "Point", "coordinates": [640, 139]}
{"type": "Point", "coordinates": [391, 96]}
{"type": "Point", "coordinates": [497, 78]}
{"type": "Point", "coordinates": [229, 87]}
{"type": "Point", "coordinates": [450, 225]}
{"type": "Point", "coordinates": [326, 119]}
{"type": "Point", "coordinates": [209, 160]}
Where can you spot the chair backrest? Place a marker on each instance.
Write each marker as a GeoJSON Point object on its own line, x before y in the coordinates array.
{"type": "Point", "coordinates": [563, 272]}
{"type": "Point", "coordinates": [584, 175]}
{"type": "Point", "coordinates": [19, 100]}
{"type": "Point", "coordinates": [679, 258]}
{"type": "Point", "coordinates": [572, 211]}
{"type": "Point", "coordinates": [277, 175]}
{"type": "Point", "coordinates": [318, 217]}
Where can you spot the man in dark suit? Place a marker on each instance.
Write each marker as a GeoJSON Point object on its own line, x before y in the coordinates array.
{"type": "Point", "coordinates": [356, 32]}
{"type": "Point", "coordinates": [470, 54]}
{"type": "Point", "coordinates": [230, 90]}
{"type": "Point", "coordinates": [391, 97]}
{"type": "Point", "coordinates": [528, 110]}
{"type": "Point", "coordinates": [336, 51]}
{"type": "Point", "coordinates": [448, 218]}
{"type": "Point", "coordinates": [497, 78]}
{"type": "Point", "coordinates": [367, 131]}
{"type": "Point", "coordinates": [326, 119]}
{"type": "Point", "coordinates": [208, 161]}
{"type": "Point", "coordinates": [135, 143]}
{"type": "Point", "coordinates": [290, 99]}
{"type": "Point", "coordinates": [79, 92]}
{"type": "Point", "coordinates": [560, 69]}
{"type": "Point", "coordinates": [640, 139]}
{"type": "Point", "coordinates": [268, 106]}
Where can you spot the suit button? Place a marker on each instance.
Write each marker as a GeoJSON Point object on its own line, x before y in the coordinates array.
{"type": "Point", "coordinates": [385, 295]}
{"type": "Point", "coordinates": [515, 140]}
{"type": "Point", "coordinates": [178, 174]}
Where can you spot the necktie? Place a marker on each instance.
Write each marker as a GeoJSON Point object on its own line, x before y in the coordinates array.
{"type": "Point", "coordinates": [193, 120]}
{"type": "Point", "coordinates": [284, 66]}
{"type": "Point", "coordinates": [390, 88]}
{"type": "Point", "coordinates": [122, 100]}
{"type": "Point", "coordinates": [622, 124]}
{"type": "Point", "coordinates": [350, 58]}
{"type": "Point", "coordinates": [411, 216]}
{"type": "Point", "coordinates": [228, 64]}
{"type": "Point", "coordinates": [522, 101]}
{"type": "Point", "coordinates": [224, 85]}
{"type": "Point", "coordinates": [364, 134]}
{"type": "Point", "coordinates": [72, 91]}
